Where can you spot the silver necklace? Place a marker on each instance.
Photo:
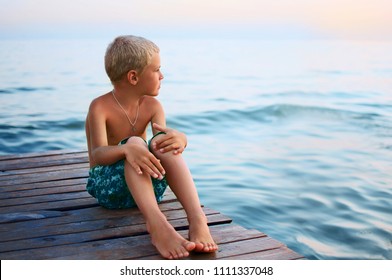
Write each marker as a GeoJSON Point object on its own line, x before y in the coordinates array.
{"type": "Point", "coordinates": [126, 114]}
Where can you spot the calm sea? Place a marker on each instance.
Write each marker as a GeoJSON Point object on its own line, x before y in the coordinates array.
{"type": "Point", "coordinates": [293, 138]}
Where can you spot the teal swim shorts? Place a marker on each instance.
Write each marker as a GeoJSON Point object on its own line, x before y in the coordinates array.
{"type": "Point", "coordinates": [107, 184]}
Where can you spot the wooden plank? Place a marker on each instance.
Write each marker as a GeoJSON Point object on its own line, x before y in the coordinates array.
{"type": "Point", "coordinates": [83, 201]}
{"type": "Point", "coordinates": [26, 194]}
{"type": "Point", "coordinates": [232, 249]}
{"type": "Point", "coordinates": [109, 232]}
{"type": "Point", "coordinates": [103, 222]}
{"type": "Point", "coordinates": [25, 202]}
{"type": "Point", "coordinates": [144, 249]}
{"type": "Point", "coordinates": [34, 162]}
{"type": "Point", "coordinates": [26, 216]}
{"type": "Point", "coordinates": [281, 253]}
{"type": "Point", "coordinates": [223, 234]}
{"type": "Point", "coordinates": [122, 248]}
{"type": "Point", "coordinates": [39, 185]}
{"type": "Point", "coordinates": [44, 177]}
{"type": "Point", "coordinates": [45, 154]}
{"type": "Point", "coordinates": [34, 171]}
{"type": "Point", "coordinates": [82, 215]}
{"type": "Point", "coordinates": [53, 205]}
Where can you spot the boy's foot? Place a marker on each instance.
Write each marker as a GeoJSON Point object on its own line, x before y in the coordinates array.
{"type": "Point", "coordinates": [200, 234]}
{"type": "Point", "coordinates": [169, 243]}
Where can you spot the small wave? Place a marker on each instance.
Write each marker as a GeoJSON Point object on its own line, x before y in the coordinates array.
{"type": "Point", "coordinates": [24, 89]}
{"type": "Point", "coordinates": [9, 127]}
{"type": "Point", "coordinates": [288, 111]}
{"type": "Point", "coordinates": [5, 91]}
{"type": "Point", "coordinates": [58, 125]}
{"type": "Point", "coordinates": [210, 120]}
{"type": "Point", "coordinates": [41, 136]}
{"type": "Point", "coordinates": [53, 125]}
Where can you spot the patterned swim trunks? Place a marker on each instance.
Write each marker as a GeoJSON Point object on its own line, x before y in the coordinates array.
{"type": "Point", "coordinates": [107, 184]}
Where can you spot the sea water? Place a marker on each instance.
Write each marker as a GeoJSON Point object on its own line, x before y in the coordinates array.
{"type": "Point", "coordinates": [293, 138]}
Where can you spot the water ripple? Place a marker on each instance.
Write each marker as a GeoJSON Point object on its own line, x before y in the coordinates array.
{"type": "Point", "coordinates": [25, 89]}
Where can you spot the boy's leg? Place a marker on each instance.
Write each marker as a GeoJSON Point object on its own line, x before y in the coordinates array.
{"type": "Point", "coordinates": [181, 182]}
{"type": "Point", "coordinates": [168, 242]}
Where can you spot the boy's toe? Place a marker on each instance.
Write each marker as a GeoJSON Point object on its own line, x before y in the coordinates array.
{"type": "Point", "coordinates": [199, 247]}
{"type": "Point", "coordinates": [210, 247]}
{"type": "Point", "coordinates": [189, 246]}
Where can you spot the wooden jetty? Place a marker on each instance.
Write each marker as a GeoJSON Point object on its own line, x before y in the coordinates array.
{"type": "Point", "coordinates": [46, 213]}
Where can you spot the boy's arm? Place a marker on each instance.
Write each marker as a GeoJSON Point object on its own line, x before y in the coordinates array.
{"type": "Point", "coordinates": [173, 140]}
{"type": "Point", "coordinates": [101, 152]}
{"type": "Point", "coordinates": [158, 116]}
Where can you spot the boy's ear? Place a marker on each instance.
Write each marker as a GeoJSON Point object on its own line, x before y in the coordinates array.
{"type": "Point", "coordinates": [132, 77]}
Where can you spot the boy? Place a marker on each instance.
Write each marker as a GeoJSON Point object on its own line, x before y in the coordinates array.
{"type": "Point", "coordinates": [125, 171]}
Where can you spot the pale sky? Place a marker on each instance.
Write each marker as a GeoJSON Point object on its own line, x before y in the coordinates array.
{"type": "Point", "coordinates": [343, 19]}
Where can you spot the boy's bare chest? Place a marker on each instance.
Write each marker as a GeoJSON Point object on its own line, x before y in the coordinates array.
{"type": "Point", "coordinates": [118, 128]}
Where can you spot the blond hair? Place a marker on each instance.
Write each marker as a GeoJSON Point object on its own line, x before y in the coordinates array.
{"type": "Point", "coordinates": [128, 53]}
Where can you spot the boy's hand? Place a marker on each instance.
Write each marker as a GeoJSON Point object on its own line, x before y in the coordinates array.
{"type": "Point", "coordinates": [142, 160]}
{"type": "Point", "coordinates": [172, 140]}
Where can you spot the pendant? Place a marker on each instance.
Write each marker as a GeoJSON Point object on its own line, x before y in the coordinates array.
{"type": "Point", "coordinates": [133, 129]}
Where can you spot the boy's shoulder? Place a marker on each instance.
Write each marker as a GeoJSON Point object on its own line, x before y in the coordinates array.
{"type": "Point", "coordinates": [100, 102]}
{"type": "Point", "coordinates": [150, 101]}
{"type": "Point", "coordinates": [151, 104]}
{"type": "Point", "coordinates": [101, 99]}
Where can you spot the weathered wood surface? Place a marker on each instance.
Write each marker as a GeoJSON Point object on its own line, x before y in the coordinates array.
{"type": "Point", "coordinates": [46, 213]}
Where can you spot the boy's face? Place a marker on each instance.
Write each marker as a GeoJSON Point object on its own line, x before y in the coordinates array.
{"type": "Point", "coordinates": [150, 78]}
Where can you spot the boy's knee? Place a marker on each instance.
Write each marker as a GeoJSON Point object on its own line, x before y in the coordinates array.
{"type": "Point", "coordinates": [152, 145]}
{"type": "Point", "coordinates": [156, 138]}
{"type": "Point", "coordinates": [137, 140]}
